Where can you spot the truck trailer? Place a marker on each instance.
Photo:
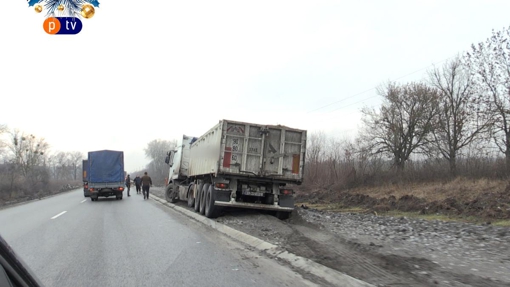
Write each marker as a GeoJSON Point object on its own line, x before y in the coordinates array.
{"type": "Point", "coordinates": [238, 164]}
{"type": "Point", "coordinates": [105, 174]}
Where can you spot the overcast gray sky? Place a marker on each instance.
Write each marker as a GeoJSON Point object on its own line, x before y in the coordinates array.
{"type": "Point", "coordinates": [144, 70]}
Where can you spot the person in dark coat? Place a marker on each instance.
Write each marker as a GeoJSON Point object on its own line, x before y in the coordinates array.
{"type": "Point", "coordinates": [138, 184]}
{"type": "Point", "coordinates": [128, 184]}
{"type": "Point", "coordinates": [146, 184]}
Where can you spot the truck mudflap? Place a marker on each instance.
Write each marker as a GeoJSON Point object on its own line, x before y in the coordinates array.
{"type": "Point", "coordinates": [233, 203]}
{"type": "Point", "coordinates": [286, 200]}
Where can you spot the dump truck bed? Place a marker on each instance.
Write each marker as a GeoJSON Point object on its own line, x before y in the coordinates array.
{"type": "Point", "coordinates": [250, 150]}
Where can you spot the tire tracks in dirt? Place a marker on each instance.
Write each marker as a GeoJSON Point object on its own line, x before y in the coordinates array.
{"type": "Point", "coordinates": [330, 251]}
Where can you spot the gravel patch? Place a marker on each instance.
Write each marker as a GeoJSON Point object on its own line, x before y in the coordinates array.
{"type": "Point", "coordinates": [383, 250]}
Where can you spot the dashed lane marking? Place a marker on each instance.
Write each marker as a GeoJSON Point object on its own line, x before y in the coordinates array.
{"type": "Point", "coordinates": [58, 214]}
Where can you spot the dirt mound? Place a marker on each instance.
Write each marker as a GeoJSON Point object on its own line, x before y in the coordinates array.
{"type": "Point", "coordinates": [488, 205]}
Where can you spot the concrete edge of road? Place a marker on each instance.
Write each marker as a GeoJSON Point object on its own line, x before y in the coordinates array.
{"type": "Point", "coordinates": [330, 275]}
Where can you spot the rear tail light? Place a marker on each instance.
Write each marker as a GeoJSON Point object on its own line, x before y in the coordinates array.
{"type": "Point", "coordinates": [121, 188]}
{"type": "Point", "coordinates": [287, 191]}
{"type": "Point", "coordinates": [221, 185]}
{"type": "Point", "coordinates": [91, 189]}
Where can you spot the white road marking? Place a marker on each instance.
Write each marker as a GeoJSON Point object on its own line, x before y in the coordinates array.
{"type": "Point", "coordinates": [58, 214]}
{"type": "Point", "coordinates": [83, 201]}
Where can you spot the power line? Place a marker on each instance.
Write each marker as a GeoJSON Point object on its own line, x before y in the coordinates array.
{"type": "Point", "coordinates": [354, 103]}
{"type": "Point", "coordinates": [360, 93]}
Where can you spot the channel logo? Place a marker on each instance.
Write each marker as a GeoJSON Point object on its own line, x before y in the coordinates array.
{"type": "Point", "coordinates": [70, 14]}
{"type": "Point", "coordinates": [62, 25]}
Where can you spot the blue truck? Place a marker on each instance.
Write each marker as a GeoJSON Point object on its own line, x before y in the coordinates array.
{"type": "Point", "coordinates": [84, 166]}
{"type": "Point", "coordinates": [105, 174]}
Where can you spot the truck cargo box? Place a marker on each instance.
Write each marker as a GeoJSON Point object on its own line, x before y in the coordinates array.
{"type": "Point", "coordinates": [105, 166]}
{"type": "Point", "coordinates": [250, 150]}
{"type": "Point", "coordinates": [105, 174]}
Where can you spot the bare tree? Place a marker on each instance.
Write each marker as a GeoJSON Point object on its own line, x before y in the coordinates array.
{"type": "Point", "coordinates": [50, 161]}
{"type": "Point", "coordinates": [157, 150]}
{"type": "Point", "coordinates": [28, 150]}
{"type": "Point", "coordinates": [489, 63]}
{"type": "Point", "coordinates": [459, 121]}
{"type": "Point", "coordinates": [75, 159]}
{"type": "Point", "coordinates": [61, 165]}
{"type": "Point", "coordinates": [367, 164]}
{"type": "Point", "coordinates": [316, 146]}
{"type": "Point", "coordinates": [404, 122]}
{"type": "Point", "coordinates": [3, 129]}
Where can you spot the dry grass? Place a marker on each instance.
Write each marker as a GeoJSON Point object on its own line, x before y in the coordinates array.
{"type": "Point", "coordinates": [459, 188]}
{"type": "Point", "coordinates": [334, 207]}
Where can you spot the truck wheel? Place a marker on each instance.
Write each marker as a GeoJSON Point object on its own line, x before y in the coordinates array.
{"type": "Point", "coordinates": [170, 193]}
{"type": "Point", "coordinates": [191, 196]}
{"type": "Point", "coordinates": [282, 215]}
{"type": "Point", "coordinates": [211, 211]}
{"type": "Point", "coordinates": [202, 198]}
{"type": "Point", "coordinates": [199, 194]}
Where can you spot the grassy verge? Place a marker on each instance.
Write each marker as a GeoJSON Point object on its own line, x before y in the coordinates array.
{"type": "Point", "coordinates": [335, 207]}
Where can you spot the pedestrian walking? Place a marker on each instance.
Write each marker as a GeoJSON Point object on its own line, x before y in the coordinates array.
{"type": "Point", "coordinates": [146, 184]}
{"type": "Point", "coordinates": [128, 184]}
{"type": "Point", "coordinates": [138, 184]}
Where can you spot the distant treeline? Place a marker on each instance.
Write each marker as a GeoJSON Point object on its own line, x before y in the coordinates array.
{"type": "Point", "coordinates": [455, 122]}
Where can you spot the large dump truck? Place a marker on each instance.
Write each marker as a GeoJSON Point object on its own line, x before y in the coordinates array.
{"type": "Point", "coordinates": [105, 174]}
{"type": "Point", "coordinates": [85, 167]}
{"type": "Point", "coordinates": [237, 164]}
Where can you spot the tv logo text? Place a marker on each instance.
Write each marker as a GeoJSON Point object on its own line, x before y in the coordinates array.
{"type": "Point", "coordinates": [62, 25]}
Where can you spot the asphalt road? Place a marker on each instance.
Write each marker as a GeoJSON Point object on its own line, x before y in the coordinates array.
{"type": "Point", "coordinates": [68, 240]}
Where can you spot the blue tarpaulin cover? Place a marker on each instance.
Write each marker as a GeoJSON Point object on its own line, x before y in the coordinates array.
{"type": "Point", "coordinates": [106, 166]}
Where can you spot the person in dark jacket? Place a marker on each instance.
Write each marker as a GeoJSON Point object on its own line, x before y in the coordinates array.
{"type": "Point", "coordinates": [138, 184]}
{"type": "Point", "coordinates": [146, 183]}
{"type": "Point", "coordinates": [128, 184]}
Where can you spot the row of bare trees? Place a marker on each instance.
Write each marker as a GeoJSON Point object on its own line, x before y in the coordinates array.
{"type": "Point", "coordinates": [454, 122]}
{"type": "Point", "coordinates": [27, 158]}
{"type": "Point", "coordinates": [27, 153]}
{"type": "Point", "coordinates": [340, 163]}
{"type": "Point", "coordinates": [28, 166]}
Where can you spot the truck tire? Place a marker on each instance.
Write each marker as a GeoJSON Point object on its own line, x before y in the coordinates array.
{"type": "Point", "coordinates": [170, 193]}
{"type": "Point", "coordinates": [199, 194]}
{"type": "Point", "coordinates": [202, 198]}
{"type": "Point", "coordinates": [211, 211]}
{"type": "Point", "coordinates": [191, 195]}
{"type": "Point", "coordinates": [282, 215]}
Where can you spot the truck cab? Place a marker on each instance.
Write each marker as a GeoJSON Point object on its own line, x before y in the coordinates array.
{"type": "Point", "coordinates": [178, 160]}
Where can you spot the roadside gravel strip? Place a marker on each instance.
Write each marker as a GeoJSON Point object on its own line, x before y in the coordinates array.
{"type": "Point", "coordinates": [380, 250]}
{"type": "Point", "coordinates": [332, 276]}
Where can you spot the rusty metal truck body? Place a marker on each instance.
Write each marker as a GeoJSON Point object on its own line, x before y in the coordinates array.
{"type": "Point", "coordinates": [238, 164]}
